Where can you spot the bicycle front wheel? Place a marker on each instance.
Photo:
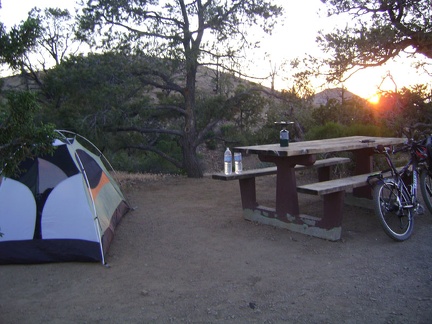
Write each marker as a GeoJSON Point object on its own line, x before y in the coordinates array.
{"type": "Point", "coordinates": [426, 188]}
{"type": "Point", "coordinates": [393, 210]}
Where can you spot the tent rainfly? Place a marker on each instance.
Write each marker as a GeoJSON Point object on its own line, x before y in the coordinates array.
{"type": "Point", "coordinates": [62, 207]}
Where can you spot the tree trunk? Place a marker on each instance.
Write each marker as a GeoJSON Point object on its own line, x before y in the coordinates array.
{"type": "Point", "coordinates": [190, 160]}
{"type": "Point", "coordinates": [189, 141]}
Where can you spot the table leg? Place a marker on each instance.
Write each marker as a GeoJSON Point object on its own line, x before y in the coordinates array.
{"type": "Point", "coordinates": [363, 164]}
{"type": "Point", "coordinates": [286, 185]}
{"type": "Point", "coordinates": [324, 174]}
{"type": "Point", "coordinates": [248, 193]}
{"type": "Point", "coordinates": [286, 191]}
{"type": "Point", "coordinates": [333, 210]}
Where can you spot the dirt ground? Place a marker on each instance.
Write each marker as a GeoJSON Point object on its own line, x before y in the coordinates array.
{"type": "Point", "coordinates": [186, 255]}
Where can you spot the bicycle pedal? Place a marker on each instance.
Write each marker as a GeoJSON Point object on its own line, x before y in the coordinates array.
{"type": "Point", "coordinates": [419, 210]}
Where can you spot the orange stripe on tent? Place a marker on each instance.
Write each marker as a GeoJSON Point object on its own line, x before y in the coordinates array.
{"type": "Point", "coordinates": [102, 182]}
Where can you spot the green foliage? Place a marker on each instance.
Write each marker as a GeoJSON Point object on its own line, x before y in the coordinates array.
{"type": "Point", "coordinates": [142, 162]}
{"type": "Point", "coordinates": [289, 103]}
{"type": "Point", "coordinates": [102, 97]}
{"type": "Point", "coordinates": [155, 163]}
{"type": "Point", "coordinates": [177, 33]}
{"type": "Point", "coordinates": [163, 30]}
{"type": "Point", "coordinates": [232, 136]}
{"type": "Point", "coordinates": [111, 98]}
{"type": "Point", "coordinates": [346, 112]}
{"type": "Point", "coordinates": [95, 93]}
{"type": "Point", "coordinates": [328, 130]}
{"type": "Point", "coordinates": [147, 104]}
{"type": "Point", "coordinates": [20, 137]}
{"type": "Point", "coordinates": [248, 107]}
{"type": "Point", "coordinates": [18, 42]}
{"type": "Point", "coordinates": [333, 130]}
{"type": "Point", "coordinates": [210, 141]}
{"type": "Point", "coordinates": [269, 133]}
{"type": "Point", "coordinates": [331, 111]}
{"type": "Point", "coordinates": [289, 106]}
{"type": "Point", "coordinates": [44, 39]}
{"type": "Point", "coordinates": [405, 108]}
{"type": "Point", "coordinates": [210, 108]}
{"type": "Point", "coordinates": [246, 112]}
{"type": "Point", "coordinates": [368, 130]}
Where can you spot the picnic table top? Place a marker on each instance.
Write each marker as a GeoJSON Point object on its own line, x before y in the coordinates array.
{"type": "Point", "coordinates": [339, 144]}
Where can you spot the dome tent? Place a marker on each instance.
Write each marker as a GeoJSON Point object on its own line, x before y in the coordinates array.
{"type": "Point", "coordinates": [62, 207]}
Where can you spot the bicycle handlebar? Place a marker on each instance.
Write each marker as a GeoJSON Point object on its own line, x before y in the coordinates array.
{"type": "Point", "coordinates": [404, 148]}
{"type": "Point", "coordinates": [381, 149]}
{"type": "Point", "coordinates": [414, 131]}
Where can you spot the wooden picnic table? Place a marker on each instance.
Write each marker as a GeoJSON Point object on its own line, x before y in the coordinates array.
{"type": "Point", "coordinates": [304, 153]}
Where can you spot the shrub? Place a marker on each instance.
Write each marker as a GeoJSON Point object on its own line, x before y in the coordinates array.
{"type": "Point", "coordinates": [329, 130]}
{"type": "Point", "coordinates": [367, 130]}
{"type": "Point", "coordinates": [210, 141]}
{"type": "Point", "coordinates": [332, 130]}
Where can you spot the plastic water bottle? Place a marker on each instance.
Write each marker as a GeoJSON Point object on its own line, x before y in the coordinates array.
{"type": "Point", "coordinates": [227, 161]}
{"type": "Point", "coordinates": [238, 164]}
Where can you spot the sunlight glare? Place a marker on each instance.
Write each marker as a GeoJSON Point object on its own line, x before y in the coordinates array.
{"type": "Point", "coordinates": [374, 99]}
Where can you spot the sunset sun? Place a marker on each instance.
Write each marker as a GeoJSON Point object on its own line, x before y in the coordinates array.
{"type": "Point", "coordinates": [374, 99]}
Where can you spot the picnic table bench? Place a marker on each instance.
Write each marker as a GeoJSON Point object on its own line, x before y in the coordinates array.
{"type": "Point", "coordinates": [333, 194]}
{"type": "Point", "coordinates": [300, 155]}
{"type": "Point", "coordinates": [247, 177]}
{"type": "Point", "coordinates": [322, 165]}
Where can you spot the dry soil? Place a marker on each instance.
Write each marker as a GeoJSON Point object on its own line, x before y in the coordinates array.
{"type": "Point", "coordinates": [186, 255]}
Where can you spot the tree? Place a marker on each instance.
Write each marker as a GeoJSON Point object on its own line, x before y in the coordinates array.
{"type": "Point", "coordinates": [102, 97]}
{"type": "Point", "coordinates": [57, 35]}
{"type": "Point", "coordinates": [379, 31]}
{"type": "Point", "coordinates": [18, 42]}
{"type": "Point", "coordinates": [20, 137]}
{"type": "Point", "coordinates": [183, 35]}
{"type": "Point", "coordinates": [43, 40]}
{"type": "Point", "coordinates": [406, 108]}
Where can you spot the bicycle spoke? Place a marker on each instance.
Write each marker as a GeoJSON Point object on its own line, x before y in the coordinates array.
{"type": "Point", "coordinates": [426, 188]}
{"type": "Point", "coordinates": [391, 210]}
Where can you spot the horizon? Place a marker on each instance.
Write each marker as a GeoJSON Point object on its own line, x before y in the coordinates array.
{"type": "Point", "coordinates": [317, 93]}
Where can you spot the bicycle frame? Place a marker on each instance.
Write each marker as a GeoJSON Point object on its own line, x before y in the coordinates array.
{"type": "Point", "coordinates": [395, 196]}
{"type": "Point", "coordinates": [401, 182]}
{"type": "Point", "coordinates": [410, 189]}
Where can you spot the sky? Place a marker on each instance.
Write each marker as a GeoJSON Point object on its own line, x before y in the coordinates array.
{"type": "Point", "coordinates": [294, 36]}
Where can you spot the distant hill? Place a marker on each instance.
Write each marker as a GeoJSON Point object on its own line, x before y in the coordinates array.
{"type": "Point", "coordinates": [339, 94]}
{"type": "Point", "coordinates": [206, 83]}
{"type": "Point", "coordinates": [18, 82]}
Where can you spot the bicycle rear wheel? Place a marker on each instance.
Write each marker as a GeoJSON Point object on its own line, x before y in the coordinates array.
{"type": "Point", "coordinates": [391, 207]}
{"type": "Point", "coordinates": [426, 188]}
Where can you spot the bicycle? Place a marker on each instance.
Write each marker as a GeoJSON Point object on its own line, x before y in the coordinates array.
{"type": "Point", "coordinates": [395, 197]}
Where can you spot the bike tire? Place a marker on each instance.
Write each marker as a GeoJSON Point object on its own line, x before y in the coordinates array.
{"type": "Point", "coordinates": [396, 221]}
{"type": "Point", "coordinates": [426, 188]}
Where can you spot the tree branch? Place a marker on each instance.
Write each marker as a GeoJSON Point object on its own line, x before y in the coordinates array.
{"type": "Point", "coordinates": [168, 84]}
{"type": "Point", "coordinates": [165, 156]}
{"type": "Point", "coordinates": [145, 130]}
